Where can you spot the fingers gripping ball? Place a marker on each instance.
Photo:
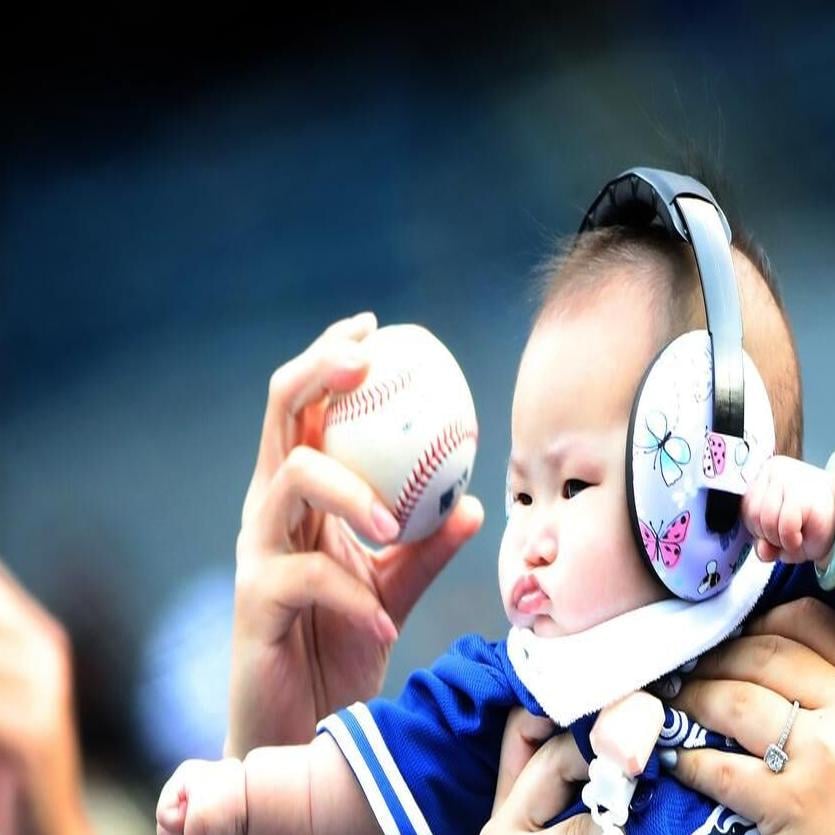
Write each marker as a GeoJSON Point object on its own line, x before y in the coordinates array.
{"type": "Point", "coordinates": [409, 430]}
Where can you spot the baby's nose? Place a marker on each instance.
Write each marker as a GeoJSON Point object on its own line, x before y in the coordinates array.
{"type": "Point", "coordinates": [542, 549]}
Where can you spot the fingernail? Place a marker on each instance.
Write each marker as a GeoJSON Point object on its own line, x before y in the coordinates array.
{"type": "Point", "coordinates": [384, 523]}
{"type": "Point", "coordinates": [386, 630]}
{"type": "Point", "coordinates": [689, 666]}
{"type": "Point", "coordinates": [668, 757]}
{"type": "Point", "coordinates": [353, 358]}
{"type": "Point", "coordinates": [669, 686]}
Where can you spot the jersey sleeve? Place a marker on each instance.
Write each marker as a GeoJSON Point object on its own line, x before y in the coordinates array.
{"type": "Point", "coordinates": [427, 762]}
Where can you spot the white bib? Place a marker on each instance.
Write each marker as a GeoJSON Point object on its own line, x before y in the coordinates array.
{"type": "Point", "coordinates": [574, 675]}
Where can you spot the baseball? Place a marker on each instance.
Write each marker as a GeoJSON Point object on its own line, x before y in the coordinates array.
{"type": "Point", "coordinates": [409, 430]}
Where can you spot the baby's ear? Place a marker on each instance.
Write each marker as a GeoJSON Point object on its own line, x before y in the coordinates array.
{"type": "Point", "coordinates": [626, 732]}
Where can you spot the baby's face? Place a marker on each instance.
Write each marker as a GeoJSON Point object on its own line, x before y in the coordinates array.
{"type": "Point", "coordinates": [568, 559]}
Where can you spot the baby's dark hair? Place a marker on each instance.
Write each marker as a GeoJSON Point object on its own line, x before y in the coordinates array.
{"type": "Point", "coordinates": [597, 261]}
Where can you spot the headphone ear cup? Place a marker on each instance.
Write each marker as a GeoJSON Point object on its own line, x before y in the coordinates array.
{"type": "Point", "coordinates": [671, 458]}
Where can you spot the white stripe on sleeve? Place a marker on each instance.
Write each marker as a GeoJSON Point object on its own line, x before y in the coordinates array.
{"type": "Point", "coordinates": [334, 726]}
{"type": "Point", "coordinates": [375, 739]}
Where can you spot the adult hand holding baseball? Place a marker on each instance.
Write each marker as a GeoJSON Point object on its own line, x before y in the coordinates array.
{"type": "Point", "coordinates": [315, 610]}
{"type": "Point", "coordinates": [409, 429]}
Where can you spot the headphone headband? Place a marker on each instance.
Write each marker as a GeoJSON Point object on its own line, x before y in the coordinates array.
{"type": "Point", "coordinates": [685, 208]}
{"type": "Point", "coordinates": [646, 197]}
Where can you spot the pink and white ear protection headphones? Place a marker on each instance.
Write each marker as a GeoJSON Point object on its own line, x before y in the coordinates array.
{"type": "Point", "coordinates": [701, 423]}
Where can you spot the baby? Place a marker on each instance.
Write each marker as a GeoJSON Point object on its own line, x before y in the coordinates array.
{"type": "Point", "coordinates": [587, 613]}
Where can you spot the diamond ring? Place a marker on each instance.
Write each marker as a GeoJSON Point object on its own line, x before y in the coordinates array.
{"type": "Point", "coordinates": [775, 757]}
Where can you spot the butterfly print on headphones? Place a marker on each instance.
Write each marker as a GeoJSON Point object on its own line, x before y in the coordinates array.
{"type": "Point", "coordinates": [672, 452]}
{"type": "Point", "coordinates": [713, 457]}
{"type": "Point", "coordinates": [665, 546]}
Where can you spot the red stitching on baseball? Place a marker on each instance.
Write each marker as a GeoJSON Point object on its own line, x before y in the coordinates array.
{"type": "Point", "coordinates": [365, 400]}
{"type": "Point", "coordinates": [428, 463]}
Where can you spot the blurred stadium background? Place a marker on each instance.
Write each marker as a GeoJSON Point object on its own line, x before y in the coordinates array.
{"type": "Point", "coordinates": [187, 203]}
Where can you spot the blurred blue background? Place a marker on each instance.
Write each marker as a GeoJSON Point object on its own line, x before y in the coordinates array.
{"type": "Point", "coordinates": [180, 218]}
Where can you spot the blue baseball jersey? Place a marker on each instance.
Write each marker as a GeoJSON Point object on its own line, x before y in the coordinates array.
{"type": "Point", "coordinates": [427, 761]}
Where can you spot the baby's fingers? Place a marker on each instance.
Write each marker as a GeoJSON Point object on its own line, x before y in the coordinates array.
{"type": "Point", "coordinates": [790, 509]}
{"type": "Point", "coordinates": [790, 528]}
{"type": "Point", "coordinates": [203, 798]}
{"type": "Point", "coordinates": [773, 515]}
{"type": "Point", "coordinates": [819, 520]}
{"type": "Point", "coordinates": [770, 511]}
{"type": "Point", "coordinates": [173, 801]}
{"type": "Point", "coordinates": [752, 503]}
{"type": "Point", "coordinates": [766, 551]}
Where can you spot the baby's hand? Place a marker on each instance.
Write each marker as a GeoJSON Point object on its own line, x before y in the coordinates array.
{"type": "Point", "coordinates": [203, 797]}
{"type": "Point", "coordinates": [626, 732]}
{"type": "Point", "coordinates": [790, 509]}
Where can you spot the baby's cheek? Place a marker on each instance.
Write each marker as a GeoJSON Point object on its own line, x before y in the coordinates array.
{"type": "Point", "coordinates": [584, 596]}
{"type": "Point", "coordinates": [594, 580]}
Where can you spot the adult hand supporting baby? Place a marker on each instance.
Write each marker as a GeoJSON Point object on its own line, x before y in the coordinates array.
{"type": "Point", "coordinates": [537, 779]}
{"type": "Point", "coordinates": [316, 611]}
{"type": "Point", "coordinates": [745, 689]}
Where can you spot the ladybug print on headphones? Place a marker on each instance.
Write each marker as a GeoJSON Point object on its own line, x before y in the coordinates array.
{"type": "Point", "coordinates": [713, 458]}
{"type": "Point", "coordinates": [729, 463]}
{"type": "Point", "coordinates": [667, 545]}
{"type": "Point", "coordinates": [672, 452]}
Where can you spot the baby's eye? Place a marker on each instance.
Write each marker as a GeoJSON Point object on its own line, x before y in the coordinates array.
{"type": "Point", "coordinates": [573, 486]}
{"type": "Point", "coordinates": [523, 498]}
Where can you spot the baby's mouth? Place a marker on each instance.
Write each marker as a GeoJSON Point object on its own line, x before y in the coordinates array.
{"type": "Point", "coordinates": [528, 597]}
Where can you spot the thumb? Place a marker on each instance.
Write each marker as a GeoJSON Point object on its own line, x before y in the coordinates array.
{"type": "Point", "coordinates": [524, 734]}
{"type": "Point", "coordinates": [544, 788]}
{"type": "Point", "coordinates": [405, 570]}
